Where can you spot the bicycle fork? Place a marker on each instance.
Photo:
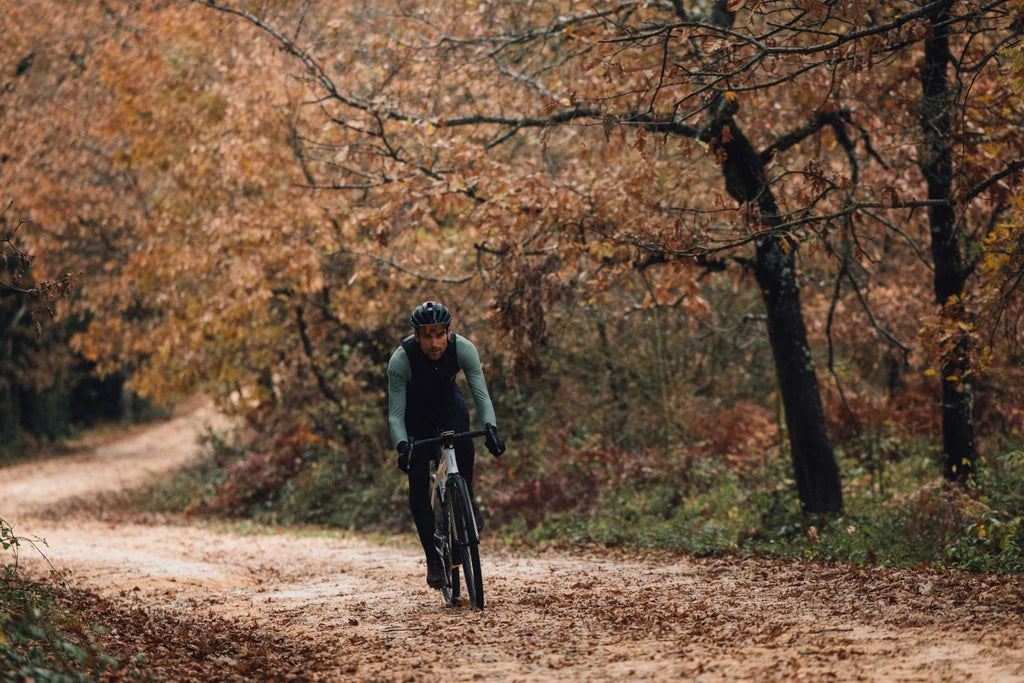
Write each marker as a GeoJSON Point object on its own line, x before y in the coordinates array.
{"type": "Point", "coordinates": [448, 465]}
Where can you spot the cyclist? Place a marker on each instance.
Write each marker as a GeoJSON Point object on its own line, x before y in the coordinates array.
{"type": "Point", "coordinates": [423, 399]}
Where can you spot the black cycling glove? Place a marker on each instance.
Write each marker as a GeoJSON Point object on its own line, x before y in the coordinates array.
{"type": "Point", "coordinates": [495, 445]}
{"type": "Point", "coordinates": [403, 455]}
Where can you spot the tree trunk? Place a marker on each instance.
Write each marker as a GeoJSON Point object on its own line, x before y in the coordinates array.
{"type": "Point", "coordinates": [814, 464]}
{"type": "Point", "coordinates": [950, 272]}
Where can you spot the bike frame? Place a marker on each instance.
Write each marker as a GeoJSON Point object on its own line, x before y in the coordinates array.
{"type": "Point", "coordinates": [446, 463]}
{"type": "Point", "coordinates": [448, 525]}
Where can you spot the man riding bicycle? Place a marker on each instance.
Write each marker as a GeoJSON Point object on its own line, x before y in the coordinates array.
{"type": "Point", "coordinates": [424, 399]}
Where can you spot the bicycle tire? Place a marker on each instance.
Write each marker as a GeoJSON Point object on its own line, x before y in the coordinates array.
{"type": "Point", "coordinates": [467, 539]}
{"type": "Point", "coordinates": [451, 559]}
{"type": "Point", "coordinates": [444, 524]}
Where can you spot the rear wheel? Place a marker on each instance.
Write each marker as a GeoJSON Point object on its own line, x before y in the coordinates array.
{"type": "Point", "coordinates": [467, 540]}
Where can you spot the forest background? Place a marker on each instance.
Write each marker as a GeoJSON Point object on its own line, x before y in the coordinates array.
{"type": "Point", "coordinates": [745, 276]}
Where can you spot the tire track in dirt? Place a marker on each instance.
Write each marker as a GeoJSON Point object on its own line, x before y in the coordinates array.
{"type": "Point", "coordinates": [345, 607]}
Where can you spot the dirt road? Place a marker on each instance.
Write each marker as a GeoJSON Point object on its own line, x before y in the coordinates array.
{"type": "Point", "coordinates": [190, 600]}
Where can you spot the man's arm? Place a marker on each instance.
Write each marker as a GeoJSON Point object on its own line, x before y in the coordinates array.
{"type": "Point", "coordinates": [469, 361]}
{"type": "Point", "coordinates": [399, 374]}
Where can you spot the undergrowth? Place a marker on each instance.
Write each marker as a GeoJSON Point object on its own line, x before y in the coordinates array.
{"type": "Point", "coordinates": [304, 483]}
{"type": "Point", "coordinates": [897, 512]}
{"type": "Point", "coordinates": [43, 636]}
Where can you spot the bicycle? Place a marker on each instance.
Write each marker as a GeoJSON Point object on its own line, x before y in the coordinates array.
{"type": "Point", "coordinates": [455, 534]}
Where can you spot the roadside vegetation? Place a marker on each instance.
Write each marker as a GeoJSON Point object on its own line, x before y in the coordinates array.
{"type": "Point", "coordinates": [898, 513]}
{"type": "Point", "coordinates": [45, 634]}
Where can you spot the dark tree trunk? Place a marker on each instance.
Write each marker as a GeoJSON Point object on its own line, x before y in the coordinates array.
{"type": "Point", "coordinates": [950, 272]}
{"type": "Point", "coordinates": [814, 464]}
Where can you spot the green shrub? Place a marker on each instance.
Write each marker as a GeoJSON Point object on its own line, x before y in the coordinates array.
{"type": "Point", "coordinates": [42, 638]}
{"type": "Point", "coordinates": [992, 543]}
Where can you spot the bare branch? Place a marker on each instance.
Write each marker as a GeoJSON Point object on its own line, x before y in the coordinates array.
{"type": "Point", "coordinates": [1010, 169]}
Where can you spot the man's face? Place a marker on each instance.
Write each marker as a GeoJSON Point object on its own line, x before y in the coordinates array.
{"type": "Point", "coordinates": [433, 340]}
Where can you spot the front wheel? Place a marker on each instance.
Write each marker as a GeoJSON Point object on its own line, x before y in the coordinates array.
{"type": "Point", "coordinates": [444, 524]}
{"type": "Point", "coordinates": [467, 540]}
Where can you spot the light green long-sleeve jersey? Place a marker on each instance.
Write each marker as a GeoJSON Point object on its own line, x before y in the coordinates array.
{"type": "Point", "coordinates": [400, 374]}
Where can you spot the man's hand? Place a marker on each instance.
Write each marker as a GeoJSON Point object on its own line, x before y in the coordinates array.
{"type": "Point", "coordinates": [495, 445]}
{"type": "Point", "coordinates": [403, 455]}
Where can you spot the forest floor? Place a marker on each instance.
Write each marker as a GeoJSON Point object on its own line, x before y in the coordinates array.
{"type": "Point", "coordinates": [187, 599]}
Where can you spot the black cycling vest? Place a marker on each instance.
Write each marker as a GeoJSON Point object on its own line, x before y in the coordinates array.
{"type": "Point", "coordinates": [433, 382]}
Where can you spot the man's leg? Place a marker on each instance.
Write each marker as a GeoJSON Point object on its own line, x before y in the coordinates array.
{"type": "Point", "coordinates": [423, 515]}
